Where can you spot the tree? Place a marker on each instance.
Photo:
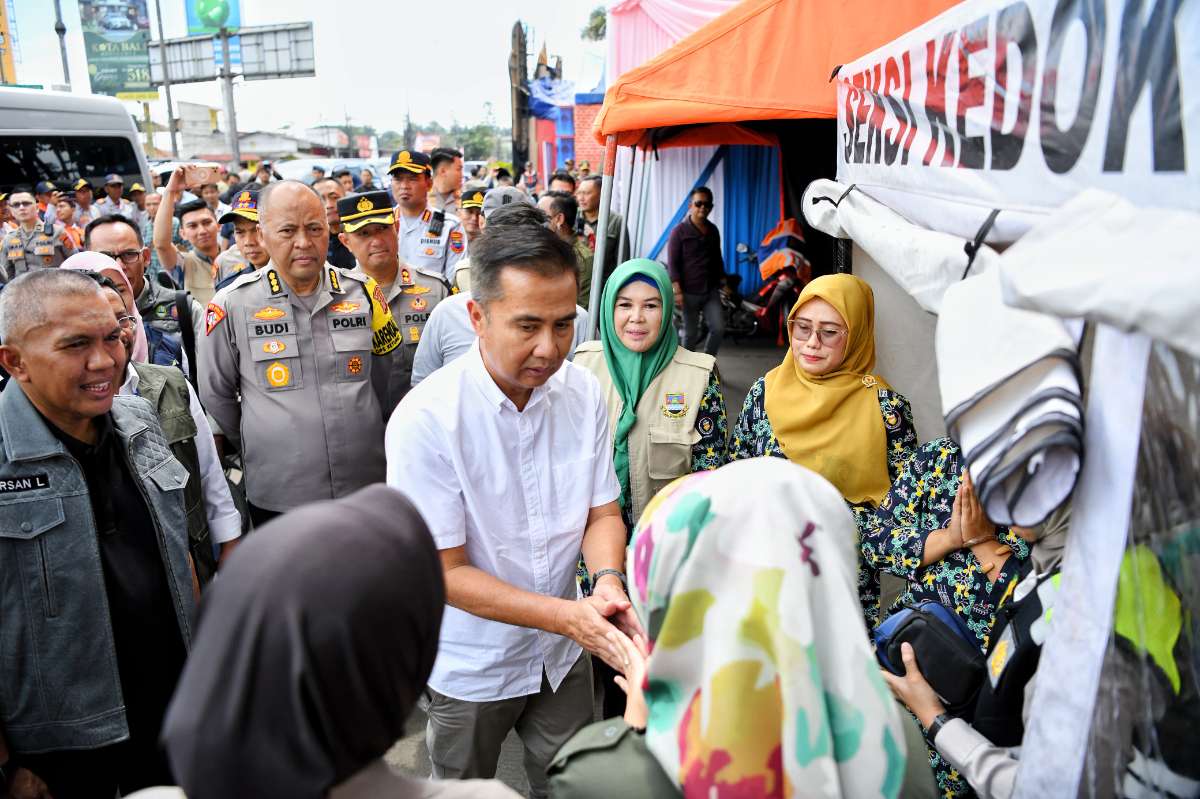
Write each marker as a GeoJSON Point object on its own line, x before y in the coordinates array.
{"type": "Point", "coordinates": [597, 23]}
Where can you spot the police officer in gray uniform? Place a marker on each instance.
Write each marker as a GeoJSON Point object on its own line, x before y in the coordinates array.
{"type": "Point", "coordinates": [412, 292]}
{"type": "Point", "coordinates": [429, 238]}
{"type": "Point", "coordinates": [33, 244]}
{"type": "Point", "coordinates": [298, 341]}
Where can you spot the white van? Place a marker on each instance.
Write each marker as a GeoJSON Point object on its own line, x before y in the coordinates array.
{"type": "Point", "coordinates": [62, 137]}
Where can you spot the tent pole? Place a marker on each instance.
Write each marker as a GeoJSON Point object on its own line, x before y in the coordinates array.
{"type": "Point", "coordinates": [647, 170]}
{"type": "Point", "coordinates": [606, 181]}
{"type": "Point", "coordinates": [623, 248]}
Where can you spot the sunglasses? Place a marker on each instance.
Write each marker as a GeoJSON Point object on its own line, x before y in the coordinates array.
{"type": "Point", "coordinates": [702, 204]}
{"type": "Point", "coordinates": [20, 204]}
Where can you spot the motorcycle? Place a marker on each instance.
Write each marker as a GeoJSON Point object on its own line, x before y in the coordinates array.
{"type": "Point", "coordinates": [784, 270]}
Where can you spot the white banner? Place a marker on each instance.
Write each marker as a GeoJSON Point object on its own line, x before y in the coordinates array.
{"type": "Point", "coordinates": [1021, 105]}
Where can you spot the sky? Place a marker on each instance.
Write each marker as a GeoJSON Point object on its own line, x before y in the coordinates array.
{"type": "Point", "coordinates": [375, 59]}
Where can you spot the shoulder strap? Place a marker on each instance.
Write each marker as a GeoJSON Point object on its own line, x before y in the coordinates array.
{"type": "Point", "coordinates": [183, 309]}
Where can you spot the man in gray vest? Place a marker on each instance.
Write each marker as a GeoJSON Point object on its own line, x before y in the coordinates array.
{"type": "Point", "coordinates": [97, 596]}
{"type": "Point", "coordinates": [297, 341]}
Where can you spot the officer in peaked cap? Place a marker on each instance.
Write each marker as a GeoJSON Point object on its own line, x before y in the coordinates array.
{"type": "Point", "coordinates": [429, 238]}
{"type": "Point", "coordinates": [247, 252]}
{"type": "Point", "coordinates": [471, 216]}
{"type": "Point", "coordinates": [298, 341]}
{"type": "Point", "coordinates": [412, 292]}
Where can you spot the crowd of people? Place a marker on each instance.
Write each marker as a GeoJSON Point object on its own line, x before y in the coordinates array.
{"type": "Point", "coordinates": [451, 498]}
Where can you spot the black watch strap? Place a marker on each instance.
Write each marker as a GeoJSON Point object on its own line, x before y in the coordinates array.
{"type": "Point", "coordinates": [935, 726]}
{"type": "Point", "coordinates": [620, 576]}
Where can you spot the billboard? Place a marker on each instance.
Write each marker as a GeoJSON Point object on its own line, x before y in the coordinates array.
{"type": "Point", "coordinates": [209, 16]}
{"type": "Point", "coordinates": [115, 37]}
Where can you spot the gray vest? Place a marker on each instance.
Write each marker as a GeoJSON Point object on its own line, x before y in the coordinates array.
{"type": "Point", "coordinates": [166, 389]}
{"type": "Point", "coordinates": [59, 685]}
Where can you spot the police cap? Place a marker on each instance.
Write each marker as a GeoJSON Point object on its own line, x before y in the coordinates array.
{"type": "Point", "coordinates": [82, 184]}
{"type": "Point", "coordinates": [245, 206]}
{"type": "Point", "coordinates": [471, 198]}
{"type": "Point", "coordinates": [410, 161]}
{"type": "Point", "coordinates": [45, 187]}
{"type": "Point", "coordinates": [356, 210]}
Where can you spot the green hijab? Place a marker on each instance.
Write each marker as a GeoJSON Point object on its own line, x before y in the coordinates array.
{"type": "Point", "coordinates": [633, 372]}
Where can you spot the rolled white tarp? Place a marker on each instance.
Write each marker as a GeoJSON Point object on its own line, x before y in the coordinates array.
{"type": "Point", "coordinates": [1012, 399]}
{"type": "Point", "coordinates": [1102, 258]}
{"type": "Point", "coordinates": [923, 262]}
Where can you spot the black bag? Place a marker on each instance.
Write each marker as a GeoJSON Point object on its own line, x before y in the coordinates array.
{"type": "Point", "coordinates": [945, 649]}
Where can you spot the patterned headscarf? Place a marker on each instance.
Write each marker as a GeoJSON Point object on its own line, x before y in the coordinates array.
{"type": "Point", "coordinates": [760, 681]}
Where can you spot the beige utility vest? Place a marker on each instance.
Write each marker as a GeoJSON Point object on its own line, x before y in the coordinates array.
{"type": "Point", "coordinates": [660, 443]}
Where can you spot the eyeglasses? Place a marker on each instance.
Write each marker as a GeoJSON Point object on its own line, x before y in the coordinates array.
{"type": "Point", "coordinates": [702, 204]}
{"type": "Point", "coordinates": [803, 331]}
{"type": "Point", "coordinates": [127, 323]}
{"type": "Point", "coordinates": [129, 257]}
{"type": "Point", "coordinates": [20, 204]}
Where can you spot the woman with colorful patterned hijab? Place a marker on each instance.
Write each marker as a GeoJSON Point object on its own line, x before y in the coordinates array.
{"type": "Point", "coordinates": [760, 681]}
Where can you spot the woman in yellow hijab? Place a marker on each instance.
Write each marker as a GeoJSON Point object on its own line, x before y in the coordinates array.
{"type": "Point", "coordinates": [824, 407]}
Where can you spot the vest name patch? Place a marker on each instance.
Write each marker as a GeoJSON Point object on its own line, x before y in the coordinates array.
{"type": "Point", "coordinates": [29, 482]}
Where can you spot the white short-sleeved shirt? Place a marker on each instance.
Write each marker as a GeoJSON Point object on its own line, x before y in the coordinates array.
{"type": "Point", "coordinates": [515, 488]}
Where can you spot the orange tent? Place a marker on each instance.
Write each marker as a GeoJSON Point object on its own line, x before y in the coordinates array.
{"type": "Point", "coordinates": [762, 60]}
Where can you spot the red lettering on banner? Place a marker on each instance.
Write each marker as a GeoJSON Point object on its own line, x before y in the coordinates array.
{"type": "Point", "coordinates": [970, 92]}
{"type": "Point", "coordinates": [935, 99]}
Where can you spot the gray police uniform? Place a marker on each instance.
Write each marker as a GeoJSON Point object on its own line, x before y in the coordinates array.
{"type": "Point", "coordinates": [125, 208]}
{"type": "Point", "coordinates": [433, 252]}
{"type": "Point", "coordinates": [45, 246]}
{"type": "Point", "coordinates": [310, 423]}
{"type": "Point", "coordinates": [229, 263]}
{"type": "Point", "coordinates": [411, 298]}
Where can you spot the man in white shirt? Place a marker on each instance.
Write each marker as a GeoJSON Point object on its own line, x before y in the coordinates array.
{"type": "Point", "coordinates": [507, 454]}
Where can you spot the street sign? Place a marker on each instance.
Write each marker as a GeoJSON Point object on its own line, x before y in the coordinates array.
{"type": "Point", "coordinates": [267, 52]}
{"type": "Point", "coordinates": [278, 51]}
{"type": "Point", "coordinates": [235, 53]}
{"type": "Point", "coordinates": [189, 60]}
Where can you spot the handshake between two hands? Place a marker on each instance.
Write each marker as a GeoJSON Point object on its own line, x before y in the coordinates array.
{"type": "Point", "coordinates": [605, 625]}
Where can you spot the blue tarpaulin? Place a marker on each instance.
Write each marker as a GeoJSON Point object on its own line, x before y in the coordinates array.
{"type": "Point", "coordinates": [752, 208]}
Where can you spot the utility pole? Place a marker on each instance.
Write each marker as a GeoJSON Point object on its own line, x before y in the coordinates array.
{"type": "Point", "coordinates": [148, 126]}
{"type": "Point", "coordinates": [162, 48]}
{"type": "Point", "coordinates": [231, 134]}
{"type": "Point", "coordinates": [61, 30]}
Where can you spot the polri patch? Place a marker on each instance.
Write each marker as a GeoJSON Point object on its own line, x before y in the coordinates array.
{"type": "Point", "coordinates": [26, 482]}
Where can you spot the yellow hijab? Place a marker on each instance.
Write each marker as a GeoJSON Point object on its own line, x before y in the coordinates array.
{"type": "Point", "coordinates": [832, 424]}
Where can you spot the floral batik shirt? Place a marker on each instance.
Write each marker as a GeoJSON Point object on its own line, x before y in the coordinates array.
{"type": "Point", "coordinates": [753, 437]}
{"type": "Point", "coordinates": [921, 501]}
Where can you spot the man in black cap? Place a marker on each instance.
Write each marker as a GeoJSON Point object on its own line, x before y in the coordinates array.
{"type": "Point", "coordinates": [471, 216]}
{"type": "Point", "coordinates": [429, 238]}
{"type": "Point", "coordinates": [85, 212]}
{"type": "Point", "coordinates": [369, 232]}
{"type": "Point", "coordinates": [114, 203]}
{"type": "Point", "coordinates": [45, 193]}
{"type": "Point", "coordinates": [248, 252]}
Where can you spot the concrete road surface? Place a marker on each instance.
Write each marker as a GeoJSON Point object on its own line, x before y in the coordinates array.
{"type": "Point", "coordinates": [740, 366]}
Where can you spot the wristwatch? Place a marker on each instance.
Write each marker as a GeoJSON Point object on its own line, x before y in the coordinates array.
{"type": "Point", "coordinates": [620, 576]}
{"type": "Point", "coordinates": [935, 727]}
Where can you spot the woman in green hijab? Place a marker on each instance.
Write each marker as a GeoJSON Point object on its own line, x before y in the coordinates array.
{"type": "Point", "coordinates": [665, 408]}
